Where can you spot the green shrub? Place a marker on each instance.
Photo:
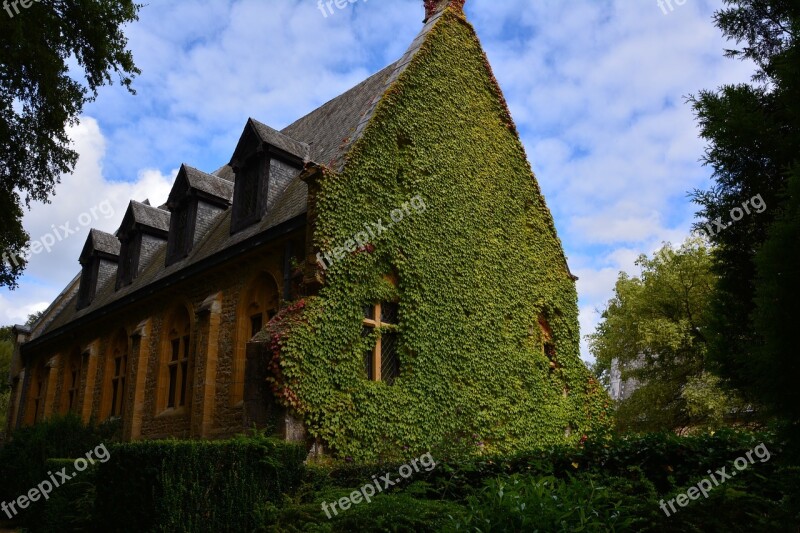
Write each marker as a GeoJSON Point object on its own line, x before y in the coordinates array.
{"type": "Point", "coordinates": [748, 502]}
{"type": "Point", "coordinates": [528, 503]}
{"type": "Point", "coordinates": [69, 507]}
{"type": "Point", "coordinates": [406, 511]}
{"type": "Point", "coordinates": [23, 460]}
{"type": "Point", "coordinates": [185, 486]}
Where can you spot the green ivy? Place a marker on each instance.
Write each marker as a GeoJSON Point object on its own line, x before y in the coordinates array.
{"type": "Point", "coordinates": [475, 272]}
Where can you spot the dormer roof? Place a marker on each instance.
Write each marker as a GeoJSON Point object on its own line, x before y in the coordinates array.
{"type": "Point", "coordinates": [149, 219]}
{"type": "Point", "coordinates": [207, 186]}
{"type": "Point", "coordinates": [102, 244]}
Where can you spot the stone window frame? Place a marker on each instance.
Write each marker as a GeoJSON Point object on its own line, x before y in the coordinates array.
{"type": "Point", "coordinates": [113, 404]}
{"type": "Point", "coordinates": [174, 395]}
{"type": "Point", "coordinates": [555, 369]}
{"type": "Point", "coordinates": [37, 393]}
{"type": "Point", "coordinates": [72, 371]}
{"type": "Point", "coordinates": [256, 298]}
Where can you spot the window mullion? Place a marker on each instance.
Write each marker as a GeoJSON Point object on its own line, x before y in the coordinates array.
{"type": "Point", "coordinates": [376, 359]}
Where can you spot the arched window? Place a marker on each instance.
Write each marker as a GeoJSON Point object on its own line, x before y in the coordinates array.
{"type": "Point", "coordinates": [259, 302]}
{"type": "Point", "coordinates": [176, 358]}
{"type": "Point", "coordinates": [72, 382]}
{"type": "Point", "coordinates": [549, 347]}
{"type": "Point", "coordinates": [115, 373]}
{"type": "Point", "coordinates": [381, 360]}
{"type": "Point", "coordinates": [36, 394]}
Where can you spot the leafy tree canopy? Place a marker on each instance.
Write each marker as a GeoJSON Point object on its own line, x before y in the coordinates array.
{"type": "Point", "coordinates": [654, 331]}
{"type": "Point", "coordinates": [54, 56]}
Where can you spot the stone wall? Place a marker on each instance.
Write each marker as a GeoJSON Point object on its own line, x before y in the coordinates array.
{"type": "Point", "coordinates": [212, 300]}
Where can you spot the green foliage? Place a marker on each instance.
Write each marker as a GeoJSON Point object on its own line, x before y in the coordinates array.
{"type": "Point", "coordinates": [778, 297]}
{"type": "Point", "coordinates": [600, 486]}
{"type": "Point", "coordinates": [526, 503]}
{"type": "Point", "coordinates": [23, 460]}
{"type": "Point", "coordinates": [753, 131]}
{"type": "Point", "coordinates": [33, 318]}
{"type": "Point", "coordinates": [5, 402]}
{"type": "Point", "coordinates": [256, 484]}
{"type": "Point", "coordinates": [654, 330]}
{"type": "Point", "coordinates": [70, 507]}
{"type": "Point", "coordinates": [6, 352]}
{"type": "Point", "coordinates": [42, 49]}
{"type": "Point", "coordinates": [407, 511]}
{"type": "Point", "coordinates": [476, 271]}
{"type": "Point", "coordinates": [193, 485]}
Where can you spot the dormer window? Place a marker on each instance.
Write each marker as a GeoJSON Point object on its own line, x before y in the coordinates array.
{"type": "Point", "coordinates": [88, 284]}
{"type": "Point", "coordinates": [99, 261]}
{"type": "Point", "coordinates": [265, 161]}
{"type": "Point", "coordinates": [129, 259]}
{"type": "Point", "coordinates": [248, 208]}
{"type": "Point", "coordinates": [143, 231]}
{"type": "Point", "coordinates": [181, 231]}
{"type": "Point", "coordinates": [195, 201]}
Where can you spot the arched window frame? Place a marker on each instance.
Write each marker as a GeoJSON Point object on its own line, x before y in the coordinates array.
{"type": "Point", "coordinates": [177, 363]}
{"type": "Point", "coordinates": [37, 393]}
{"type": "Point", "coordinates": [259, 302]}
{"type": "Point", "coordinates": [115, 376]}
{"type": "Point", "coordinates": [71, 383]}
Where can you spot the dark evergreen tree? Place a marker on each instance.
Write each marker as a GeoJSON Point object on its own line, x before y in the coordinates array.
{"type": "Point", "coordinates": [753, 132]}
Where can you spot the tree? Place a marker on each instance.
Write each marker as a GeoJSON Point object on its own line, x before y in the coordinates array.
{"type": "Point", "coordinates": [33, 318]}
{"type": "Point", "coordinates": [654, 331]}
{"type": "Point", "coordinates": [6, 351]}
{"type": "Point", "coordinates": [753, 131]}
{"type": "Point", "coordinates": [44, 50]}
{"type": "Point", "coordinates": [777, 309]}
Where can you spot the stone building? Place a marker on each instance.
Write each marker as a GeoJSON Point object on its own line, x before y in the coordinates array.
{"type": "Point", "coordinates": [469, 321]}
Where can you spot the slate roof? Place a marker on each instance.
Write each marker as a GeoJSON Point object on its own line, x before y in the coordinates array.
{"type": "Point", "coordinates": [147, 216]}
{"type": "Point", "coordinates": [208, 183]}
{"type": "Point", "coordinates": [324, 137]}
{"type": "Point", "coordinates": [279, 140]}
{"type": "Point", "coordinates": [104, 242]}
{"type": "Point", "coordinates": [329, 129]}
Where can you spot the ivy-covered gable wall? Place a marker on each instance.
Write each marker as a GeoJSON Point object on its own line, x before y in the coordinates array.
{"type": "Point", "coordinates": [488, 329]}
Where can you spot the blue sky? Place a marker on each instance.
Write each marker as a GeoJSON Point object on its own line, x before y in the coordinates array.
{"type": "Point", "coordinates": [596, 87]}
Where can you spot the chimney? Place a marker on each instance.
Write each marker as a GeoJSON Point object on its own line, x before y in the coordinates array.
{"type": "Point", "coordinates": [434, 7]}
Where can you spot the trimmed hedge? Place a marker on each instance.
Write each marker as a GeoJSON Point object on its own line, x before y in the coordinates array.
{"type": "Point", "coordinates": [184, 486]}
{"type": "Point", "coordinates": [664, 459]}
{"type": "Point", "coordinates": [24, 459]}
